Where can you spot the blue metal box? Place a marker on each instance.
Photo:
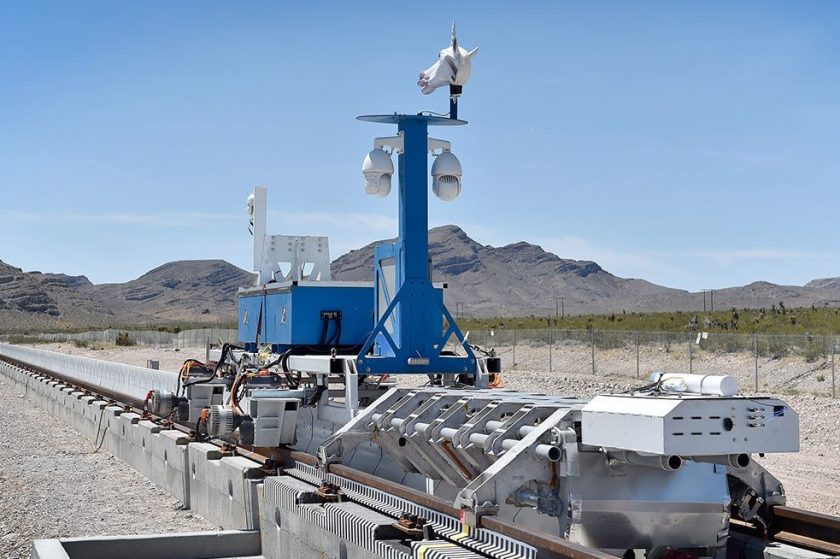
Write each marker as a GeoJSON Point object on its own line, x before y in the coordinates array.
{"type": "Point", "coordinates": [289, 314]}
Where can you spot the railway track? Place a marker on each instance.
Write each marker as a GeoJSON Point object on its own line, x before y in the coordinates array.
{"type": "Point", "coordinates": [801, 528]}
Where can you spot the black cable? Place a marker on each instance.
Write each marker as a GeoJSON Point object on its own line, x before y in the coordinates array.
{"type": "Point", "coordinates": [325, 325]}
{"type": "Point", "coordinates": [198, 434]}
{"type": "Point", "coordinates": [335, 339]}
{"type": "Point", "coordinates": [276, 361]}
{"type": "Point", "coordinates": [199, 381]}
{"type": "Point", "coordinates": [259, 325]}
{"type": "Point", "coordinates": [194, 361]}
{"type": "Point", "coordinates": [105, 432]}
{"type": "Point", "coordinates": [99, 426]}
{"type": "Point", "coordinates": [644, 388]}
{"type": "Point", "coordinates": [432, 113]}
{"type": "Point", "coordinates": [290, 380]}
{"type": "Point", "coordinates": [481, 350]}
{"type": "Point", "coordinates": [225, 350]}
{"type": "Point", "coordinates": [316, 397]}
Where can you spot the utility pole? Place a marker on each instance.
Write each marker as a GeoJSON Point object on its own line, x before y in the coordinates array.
{"type": "Point", "coordinates": [560, 310]}
{"type": "Point", "coordinates": [711, 293]}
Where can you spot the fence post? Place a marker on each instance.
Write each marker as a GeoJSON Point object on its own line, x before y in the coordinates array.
{"type": "Point", "coordinates": [514, 349]}
{"type": "Point", "coordinates": [637, 354]}
{"type": "Point", "coordinates": [690, 356]}
{"type": "Point", "coordinates": [592, 340]}
{"type": "Point", "coordinates": [833, 348]}
{"type": "Point", "coordinates": [755, 352]}
{"type": "Point", "coordinates": [550, 345]}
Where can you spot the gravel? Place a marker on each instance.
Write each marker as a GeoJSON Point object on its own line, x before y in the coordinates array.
{"type": "Point", "coordinates": [53, 483]}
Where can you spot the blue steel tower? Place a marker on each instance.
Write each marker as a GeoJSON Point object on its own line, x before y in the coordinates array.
{"type": "Point", "coordinates": [409, 336]}
{"type": "Point", "coordinates": [413, 325]}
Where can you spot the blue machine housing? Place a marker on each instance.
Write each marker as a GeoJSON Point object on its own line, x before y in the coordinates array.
{"type": "Point", "coordinates": [289, 314]}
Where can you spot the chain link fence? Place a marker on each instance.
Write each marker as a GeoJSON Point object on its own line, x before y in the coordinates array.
{"type": "Point", "coordinates": [761, 362]}
{"type": "Point", "coordinates": [184, 338]}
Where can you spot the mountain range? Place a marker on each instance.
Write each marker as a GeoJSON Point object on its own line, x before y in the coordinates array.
{"type": "Point", "coordinates": [519, 279]}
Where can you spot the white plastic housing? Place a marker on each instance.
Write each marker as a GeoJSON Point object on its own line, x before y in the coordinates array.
{"type": "Point", "coordinates": [446, 176]}
{"type": "Point", "coordinates": [378, 170]}
{"type": "Point", "coordinates": [712, 385]}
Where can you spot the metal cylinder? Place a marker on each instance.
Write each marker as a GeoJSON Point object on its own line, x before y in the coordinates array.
{"type": "Point", "coordinates": [493, 425]}
{"type": "Point", "coordinates": [669, 463]}
{"type": "Point", "coordinates": [162, 402]}
{"type": "Point", "coordinates": [545, 451]}
{"type": "Point", "coordinates": [732, 460]}
{"type": "Point", "coordinates": [548, 452]}
{"type": "Point", "coordinates": [221, 421]}
{"type": "Point", "coordinates": [527, 497]}
{"type": "Point", "coordinates": [448, 433]}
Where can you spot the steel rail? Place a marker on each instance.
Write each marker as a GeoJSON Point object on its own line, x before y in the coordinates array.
{"type": "Point", "coordinates": [807, 526]}
{"type": "Point", "coordinates": [808, 529]}
{"type": "Point", "coordinates": [802, 528]}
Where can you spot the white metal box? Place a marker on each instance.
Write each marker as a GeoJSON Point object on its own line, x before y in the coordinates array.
{"type": "Point", "coordinates": [690, 425]}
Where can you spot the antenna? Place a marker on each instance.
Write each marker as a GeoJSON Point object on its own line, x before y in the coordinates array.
{"type": "Point", "coordinates": [454, 90]}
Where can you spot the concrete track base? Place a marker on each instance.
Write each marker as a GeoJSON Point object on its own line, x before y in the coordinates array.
{"type": "Point", "coordinates": [200, 545]}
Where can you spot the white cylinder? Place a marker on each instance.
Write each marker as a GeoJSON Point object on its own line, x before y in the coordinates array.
{"type": "Point", "coordinates": [713, 385]}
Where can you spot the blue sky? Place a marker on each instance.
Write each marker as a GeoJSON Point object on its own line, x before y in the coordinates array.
{"type": "Point", "coordinates": [691, 144]}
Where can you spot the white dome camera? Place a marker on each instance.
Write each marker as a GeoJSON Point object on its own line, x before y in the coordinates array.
{"type": "Point", "coordinates": [378, 170]}
{"type": "Point", "coordinates": [446, 176]}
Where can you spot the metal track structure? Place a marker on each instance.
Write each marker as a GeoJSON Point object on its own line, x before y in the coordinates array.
{"type": "Point", "coordinates": [361, 508]}
{"type": "Point", "coordinates": [387, 499]}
